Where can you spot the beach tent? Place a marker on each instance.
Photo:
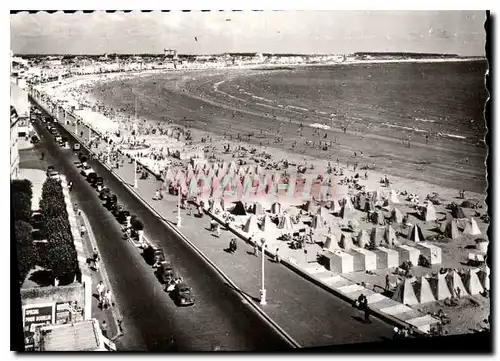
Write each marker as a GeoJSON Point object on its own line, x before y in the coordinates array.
{"type": "Point", "coordinates": [239, 209]}
{"type": "Point", "coordinates": [331, 242]}
{"type": "Point", "coordinates": [267, 224]}
{"type": "Point", "coordinates": [347, 204]}
{"type": "Point", "coordinates": [346, 242]}
{"type": "Point", "coordinates": [361, 199]}
{"type": "Point", "coordinates": [369, 206]}
{"type": "Point", "coordinates": [276, 208]}
{"type": "Point", "coordinates": [257, 208]}
{"type": "Point", "coordinates": [454, 281]}
{"type": "Point", "coordinates": [390, 235]}
{"type": "Point", "coordinates": [335, 207]}
{"type": "Point", "coordinates": [285, 222]}
{"type": "Point", "coordinates": [322, 212]}
{"type": "Point", "coordinates": [220, 172]}
{"type": "Point", "coordinates": [484, 277]}
{"type": "Point", "coordinates": [472, 283]}
{"type": "Point", "coordinates": [377, 236]}
{"type": "Point", "coordinates": [363, 239]}
{"type": "Point", "coordinates": [377, 217]}
{"type": "Point", "coordinates": [353, 224]}
{"type": "Point", "coordinates": [429, 212]}
{"type": "Point", "coordinates": [241, 171]}
{"type": "Point", "coordinates": [215, 166]}
{"type": "Point", "coordinates": [440, 287]}
{"type": "Point", "coordinates": [471, 228]}
{"type": "Point", "coordinates": [232, 166]}
{"type": "Point", "coordinates": [169, 176]}
{"type": "Point", "coordinates": [457, 212]}
{"type": "Point", "coordinates": [397, 216]}
{"type": "Point", "coordinates": [450, 229]}
{"type": "Point", "coordinates": [251, 225]}
{"type": "Point", "coordinates": [424, 291]}
{"type": "Point", "coordinates": [378, 196]}
{"type": "Point", "coordinates": [393, 197]}
{"type": "Point", "coordinates": [216, 206]}
{"type": "Point", "coordinates": [405, 294]}
{"type": "Point", "coordinates": [416, 234]}
{"type": "Point", "coordinates": [309, 207]}
{"type": "Point", "coordinates": [223, 204]}
{"type": "Point", "coordinates": [317, 222]}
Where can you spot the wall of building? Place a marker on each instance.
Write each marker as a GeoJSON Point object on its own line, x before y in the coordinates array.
{"type": "Point", "coordinates": [14, 150]}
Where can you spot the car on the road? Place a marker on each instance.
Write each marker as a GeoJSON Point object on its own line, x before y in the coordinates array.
{"type": "Point", "coordinates": [86, 170]}
{"type": "Point", "coordinates": [58, 138]}
{"type": "Point", "coordinates": [182, 295]}
{"type": "Point", "coordinates": [111, 202]}
{"type": "Point", "coordinates": [91, 177]}
{"type": "Point", "coordinates": [35, 139]}
{"type": "Point", "coordinates": [104, 193]}
{"type": "Point", "coordinates": [96, 182]}
{"type": "Point", "coordinates": [165, 272]}
{"type": "Point", "coordinates": [122, 216]}
{"type": "Point", "coordinates": [154, 255]}
{"type": "Point", "coordinates": [54, 175]}
{"type": "Point", "coordinates": [76, 146]}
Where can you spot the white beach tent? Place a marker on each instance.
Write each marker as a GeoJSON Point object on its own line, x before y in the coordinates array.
{"type": "Point", "coordinates": [331, 242]}
{"type": "Point", "coordinates": [285, 222]}
{"type": "Point", "coordinates": [251, 226]}
{"type": "Point", "coordinates": [267, 224]}
{"type": "Point", "coordinates": [472, 283]}
{"type": "Point", "coordinates": [471, 228]}
{"type": "Point", "coordinates": [405, 293]}
{"type": "Point", "coordinates": [429, 212]}
{"type": "Point", "coordinates": [393, 198]}
{"type": "Point", "coordinates": [425, 292]}
{"type": "Point", "coordinates": [455, 282]}
{"type": "Point", "coordinates": [363, 238]}
{"type": "Point", "coordinates": [440, 288]}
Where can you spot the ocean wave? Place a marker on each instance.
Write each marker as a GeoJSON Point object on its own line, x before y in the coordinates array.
{"type": "Point", "coordinates": [298, 108]}
{"type": "Point", "coordinates": [321, 126]}
{"type": "Point", "coordinates": [425, 120]}
{"type": "Point", "coordinates": [263, 99]}
{"type": "Point", "coordinates": [454, 136]}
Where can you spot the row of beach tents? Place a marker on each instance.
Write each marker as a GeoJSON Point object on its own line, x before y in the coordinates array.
{"type": "Point", "coordinates": [442, 286]}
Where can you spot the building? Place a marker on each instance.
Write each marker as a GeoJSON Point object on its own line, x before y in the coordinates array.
{"type": "Point", "coordinates": [77, 336]}
{"type": "Point", "coordinates": [19, 124]}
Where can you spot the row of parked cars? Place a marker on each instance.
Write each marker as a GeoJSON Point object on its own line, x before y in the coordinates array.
{"type": "Point", "coordinates": [179, 291]}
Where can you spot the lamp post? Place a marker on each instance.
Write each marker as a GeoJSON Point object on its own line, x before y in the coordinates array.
{"type": "Point", "coordinates": [135, 171]}
{"type": "Point", "coordinates": [263, 289]}
{"type": "Point", "coordinates": [179, 222]}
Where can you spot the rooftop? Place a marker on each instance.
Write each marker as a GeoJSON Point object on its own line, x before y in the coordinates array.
{"type": "Point", "coordinates": [81, 336]}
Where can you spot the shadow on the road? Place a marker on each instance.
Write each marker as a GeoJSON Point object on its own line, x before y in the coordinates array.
{"type": "Point", "coordinates": [251, 253]}
{"type": "Point", "coordinates": [255, 299]}
{"type": "Point", "coordinates": [362, 320]}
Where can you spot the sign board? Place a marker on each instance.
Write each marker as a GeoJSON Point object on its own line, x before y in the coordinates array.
{"type": "Point", "coordinates": [35, 316]}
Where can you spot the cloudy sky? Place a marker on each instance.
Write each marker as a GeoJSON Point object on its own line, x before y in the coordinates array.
{"type": "Point", "coordinates": [457, 32]}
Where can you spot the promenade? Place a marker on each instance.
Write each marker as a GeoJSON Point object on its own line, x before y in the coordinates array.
{"type": "Point", "coordinates": [310, 314]}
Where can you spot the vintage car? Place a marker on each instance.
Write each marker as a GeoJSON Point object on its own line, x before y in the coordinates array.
{"type": "Point", "coordinates": [154, 255]}
{"type": "Point", "coordinates": [96, 182]}
{"type": "Point", "coordinates": [111, 202]}
{"type": "Point", "coordinates": [86, 170]}
{"type": "Point", "coordinates": [165, 272]}
{"type": "Point", "coordinates": [182, 295]}
{"type": "Point", "coordinates": [91, 177]}
{"type": "Point", "coordinates": [122, 216]}
{"type": "Point", "coordinates": [54, 175]}
{"type": "Point", "coordinates": [76, 146]}
{"type": "Point", "coordinates": [104, 193]}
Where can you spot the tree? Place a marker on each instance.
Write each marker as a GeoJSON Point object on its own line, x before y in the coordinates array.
{"type": "Point", "coordinates": [52, 202]}
{"type": "Point", "coordinates": [27, 256]}
{"type": "Point", "coordinates": [57, 228]}
{"type": "Point", "coordinates": [21, 195]}
{"type": "Point", "coordinates": [61, 259]}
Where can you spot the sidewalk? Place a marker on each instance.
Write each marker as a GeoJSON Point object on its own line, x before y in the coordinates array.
{"type": "Point", "coordinates": [111, 315]}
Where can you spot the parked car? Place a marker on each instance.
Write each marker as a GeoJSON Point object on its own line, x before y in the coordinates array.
{"type": "Point", "coordinates": [76, 146]}
{"type": "Point", "coordinates": [91, 177]}
{"type": "Point", "coordinates": [104, 193]}
{"type": "Point", "coordinates": [165, 272]}
{"type": "Point", "coordinates": [111, 202]}
{"type": "Point", "coordinates": [117, 209]}
{"type": "Point", "coordinates": [122, 216]}
{"type": "Point", "coordinates": [35, 140]}
{"type": "Point", "coordinates": [86, 170]}
{"type": "Point", "coordinates": [154, 255]}
{"type": "Point", "coordinates": [182, 295]}
{"type": "Point", "coordinates": [97, 181]}
{"type": "Point", "coordinates": [50, 168]}
{"type": "Point", "coordinates": [54, 175]}
{"type": "Point", "coordinates": [58, 138]}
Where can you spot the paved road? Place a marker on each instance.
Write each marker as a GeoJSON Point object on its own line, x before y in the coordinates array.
{"type": "Point", "coordinates": [313, 316]}
{"type": "Point", "coordinates": [151, 321]}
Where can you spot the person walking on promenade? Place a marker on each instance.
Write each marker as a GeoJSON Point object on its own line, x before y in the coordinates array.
{"type": "Point", "coordinates": [82, 230]}
{"type": "Point", "coordinates": [277, 256]}
{"type": "Point", "coordinates": [104, 329]}
{"type": "Point", "coordinates": [70, 186]}
{"type": "Point", "coordinates": [387, 282]}
{"type": "Point", "coordinates": [96, 259]}
{"type": "Point", "coordinates": [107, 299]}
{"type": "Point", "coordinates": [100, 292]}
{"type": "Point", "coordinates": [366, 309]}
{"type": "Point", "coordinates": [217, 229]}
{"type": "Point", "coordinates": [255, 249]}
{"type": "Point", "coordinates": [43, 155]}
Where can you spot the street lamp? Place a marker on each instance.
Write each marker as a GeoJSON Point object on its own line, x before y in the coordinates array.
{"type": "Point", "coordinates": [263, 289]}
{"type": "Point", "coordinates": [179, 222]}
{"type": "Point", "coordinates": [135, 171]}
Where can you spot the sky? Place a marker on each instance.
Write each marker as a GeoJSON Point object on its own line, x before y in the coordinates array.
{"type": "Point", "coordinates": [320, 32]}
